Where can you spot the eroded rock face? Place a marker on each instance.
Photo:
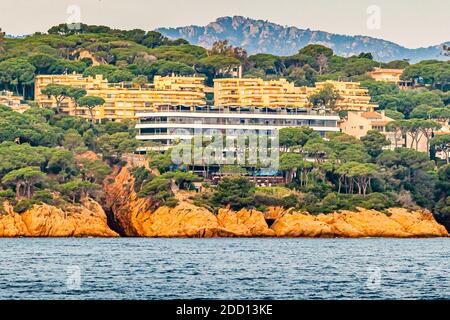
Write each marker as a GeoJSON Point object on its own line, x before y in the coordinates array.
{"type": "Point", "coordinates": [244, 223]}
{"type": "Point", "coordinates": [11, 224]}
{"type": "Point", "coordinates": [127, 209]}
{"type": "Point", "coordinates": [187, 220]}
{"type": "Point", "coordinates": [421, 223]}
{"type": "Point", "coordinates": [136, 219]}
{"type": "Point", "coordinates": [364, 223]}
{"type": "Point", "coordinates": [88, 220]}
{"type": "Point", "coordinates": [297, 224]}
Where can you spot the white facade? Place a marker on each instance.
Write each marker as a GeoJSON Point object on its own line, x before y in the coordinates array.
{"type": "Point", "coordinates": [173, 123]}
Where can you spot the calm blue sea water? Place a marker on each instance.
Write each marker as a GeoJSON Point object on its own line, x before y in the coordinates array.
{"type": "Point", "coordinates": [224, 268]}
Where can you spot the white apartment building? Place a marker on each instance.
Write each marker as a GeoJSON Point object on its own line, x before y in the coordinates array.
{"type": "Point", "coordinates": [171, 123]}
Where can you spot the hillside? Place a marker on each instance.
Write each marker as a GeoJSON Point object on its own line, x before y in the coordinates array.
{"type": "Point", "coordinates": [258, 36]}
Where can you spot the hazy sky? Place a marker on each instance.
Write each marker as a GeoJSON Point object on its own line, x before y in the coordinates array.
{"type": "Point", "coordinates": [412, 23]}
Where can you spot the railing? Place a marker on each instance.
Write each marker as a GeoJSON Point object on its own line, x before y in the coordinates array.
{"type": "Point", "coordinates": [246, 110]}
{"type": "Point", "coordinates": [234, 122]}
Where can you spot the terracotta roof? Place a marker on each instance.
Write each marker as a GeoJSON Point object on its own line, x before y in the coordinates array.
{"type": "Point", "coordinates": [441, 132]}
{"type": "Point", "coordinates": [380, 123]}
{"type": "Point", "coordinates": [371, 115]}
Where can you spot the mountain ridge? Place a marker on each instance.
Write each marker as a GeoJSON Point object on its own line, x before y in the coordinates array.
{"type": "Point", "coordinates": [263, 36]}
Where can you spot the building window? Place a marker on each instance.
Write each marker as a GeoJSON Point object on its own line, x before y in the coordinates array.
{"type": "Point", "coordinates": [378, 128]}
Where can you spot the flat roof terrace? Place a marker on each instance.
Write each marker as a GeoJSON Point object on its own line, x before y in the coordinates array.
{"type": "Point", "coordinates": [239, 110]}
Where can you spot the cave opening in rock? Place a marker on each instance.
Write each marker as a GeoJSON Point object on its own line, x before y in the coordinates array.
{"type": "Point", "coordinates": [270, 222]}
{"type": "Point", "coordinates": [113, 223]}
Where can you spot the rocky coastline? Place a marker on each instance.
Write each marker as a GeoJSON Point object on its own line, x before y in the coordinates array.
{"type": "Point", "coordinates": [125, 214]}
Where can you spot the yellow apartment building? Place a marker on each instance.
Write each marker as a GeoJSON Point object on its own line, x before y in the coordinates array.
{"type": "Point", "coordinates": [243, 92]}
{"type": "Point", "coordinates": [281, 93]}
{"type": "Point", "coordinates": [353, 96]}
{"type": "Point", "coordinates": [184, 84]}
{"type": "Point", "coordinates": [8, 98]}
{"type": "Point", "coordinates": [123, 100]}
{"type": "Point", "coordinates": [386, 75]}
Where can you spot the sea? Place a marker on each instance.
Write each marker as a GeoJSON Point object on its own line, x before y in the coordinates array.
{"type": "Point", "coordinates": [275, 269]}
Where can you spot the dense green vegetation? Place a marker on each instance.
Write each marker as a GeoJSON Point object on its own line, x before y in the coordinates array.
{"type": "Point", "coordinates": [161, 188]}
{"type": "Point", "coordinates": [134, 55]}
{"type": "Point", "coordinates": [40, 150]}
{"type": "Point", "coordinates": [342, 172]}
{"type": "Point", "coordinates": [41, 156]}
{"type": "Point", "coordinates": [391, 98]}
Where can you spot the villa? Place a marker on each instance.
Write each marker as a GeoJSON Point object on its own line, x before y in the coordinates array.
{"type": "Point", "coordinates": [8, 98]}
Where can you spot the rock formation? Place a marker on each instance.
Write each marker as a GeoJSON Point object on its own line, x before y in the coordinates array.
{"type": "Point", "coordinates": [398, 223]}
{"type": "Point", "coordinates": [186, 220]}
{"type": "Point", "coordinates": [244, 223]}
{"type": "Point", "coordinates": [11, 223]}
{"type": "Point", "coordinates": [48, 221]}
{"type": "Point", "coordinates": [127, 210]}
{"type": "Point", "coordinates": [133, 217]}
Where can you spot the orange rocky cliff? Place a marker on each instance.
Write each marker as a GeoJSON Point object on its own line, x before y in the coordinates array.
{"type": "Point", "coordinates": [127, 210]}
{"type": "Point", "coordinates": [48, 221]}
{"type": "Point", "coordinates": [398, 223]}
{"type": "Point", "coordinates": [135, 218]}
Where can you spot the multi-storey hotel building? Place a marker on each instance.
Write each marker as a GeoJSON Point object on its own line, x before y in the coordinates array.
{"type": "Point", "coordinates": [123, 100]}
{"type": "Point", "coordinates": [170, 123]}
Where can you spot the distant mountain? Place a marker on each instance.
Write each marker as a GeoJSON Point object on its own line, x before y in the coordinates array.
{"type": "Point", "coordinates": [258, 36]}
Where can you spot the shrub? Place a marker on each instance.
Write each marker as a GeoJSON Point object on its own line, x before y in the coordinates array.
{"type": "Point", "coordinates": [335, 202]}
{"type": "Point", "coordinates": [262, 199]}
{"type": "Point", "coordinates": [291, 201]}
{"type": "Point", "coordinates": [43, 196]}
{"type": "Point", "coordinates": [235, 191]}
{"type": "Point", "coordinates": [24, 205]}
{"type": "Point", "coordinates": [377, 201]}
{"type": "Point", "coordinates": [171, 202]}
{"type": "Point", "coordinates": [141, 175]}
{"type": "Point", "coordinates": [159, 190]}
{"type": "Point", "coordinates": [7, 194]}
